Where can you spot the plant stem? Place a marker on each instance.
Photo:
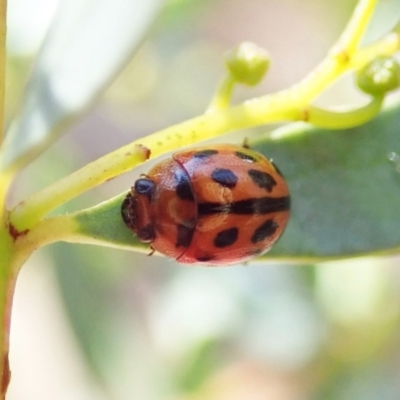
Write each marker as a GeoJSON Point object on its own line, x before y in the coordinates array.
{"type": "Point", "coordinates": [223, 95]}
{"type": "Point", "coordinates": [14, 251]}
{"type": "Point", "coordinates": [386, 46]}
{"type": "Point", "coordinates": [341, 54]}
{"type": "Point", "coordinates": [345, 119]}
{"type": "Point", "coordinates": [47, 231]}
{"type": "Point", "coordinates": [4, 331]}
{"type": "Point", "coordinates": [82, 180]}
{"type": "Point", "coordinates": [7, 276]}
{"type": "Point", "coordinates": [10, 264]}
{"type": "Point", "coordinates": [3, 31]}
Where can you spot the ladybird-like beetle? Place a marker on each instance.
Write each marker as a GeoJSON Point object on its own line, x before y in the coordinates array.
{"type": "Point", "coordinates": [215, 205]}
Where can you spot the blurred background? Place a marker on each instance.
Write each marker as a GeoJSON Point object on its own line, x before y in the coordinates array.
{"type": "Point", "coordinates": [93, 323]}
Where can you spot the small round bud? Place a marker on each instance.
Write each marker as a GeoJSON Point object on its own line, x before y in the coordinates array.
{"type": "Point", "coordinates": [380, 76]}
{"type": "Point", "coordinates": [248, 63]}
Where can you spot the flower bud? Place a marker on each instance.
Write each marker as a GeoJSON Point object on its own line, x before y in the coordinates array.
{"type": "Point", "coordinates": [380, 76]}
{"type": "Point", "coordinates": [248, 63]}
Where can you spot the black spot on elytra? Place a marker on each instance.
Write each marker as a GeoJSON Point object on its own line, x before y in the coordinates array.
{"type": "Point", "coordinates": [262, 179]}
{"type": "Point", "coordinates": [184, 237]}
{"type": "Point", "coordinates": [262, 205]}
{"type": "Point", "coordinates": [226, 238]}
{"type": "Point", "coordinates": [205, 153]}
{"type": "Point", "coordinates": [146, 233]}
{"type": "Point", "coordinates": [268, 228]}
{"type": "Point", "coordinates": [245, 156]}
{"type": "Point", "coordinates": [204, 257]}
{"type": "Point", "coordinates": [145, 187]}
{"type": "Point", "coordinates": [225, 177]}
{"type": "Point", "coordinates": [183, 187]}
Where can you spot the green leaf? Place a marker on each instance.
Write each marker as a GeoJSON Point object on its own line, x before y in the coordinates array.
{"type": "Point", "coordinates": [345, 190]}
{"type": "Point", "coordinates": [345, 193]}
{"type": "Point", "coordinates": [87, 45]}
{"type": "Point", "coordinates": [103, 225]}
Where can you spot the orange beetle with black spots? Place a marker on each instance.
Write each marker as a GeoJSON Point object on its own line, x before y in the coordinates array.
{"type": "Point", "coordinates": [216, 205]}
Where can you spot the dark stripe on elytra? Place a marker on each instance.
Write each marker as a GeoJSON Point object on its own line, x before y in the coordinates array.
{"type": "Point", "coordinates": [245, 156]}
{"type": "Point", "coordinates": [262, 205]}
{"type": "Point", "coordinates": [268, 228]}
{"type": "Point", "coordinates": [225, 177]}
{"type": "Point", "coordinates": [205, 153]}
{"type": "Point", "coordinates": [183, 186]}
{"type": "Point", "coordinates": [185, 235]}
{"type": "Point", "coordinates": [226, 238]}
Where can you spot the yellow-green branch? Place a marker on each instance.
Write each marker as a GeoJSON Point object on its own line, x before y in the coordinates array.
{"type": "Point", "coordinates": [7, 279]}
{"type": "Point", "coordinates": [222, 98]}
{"type": "Point", "coordinates": [292, 104]}
{"type": "Point", "coordinates": [3, 31]}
